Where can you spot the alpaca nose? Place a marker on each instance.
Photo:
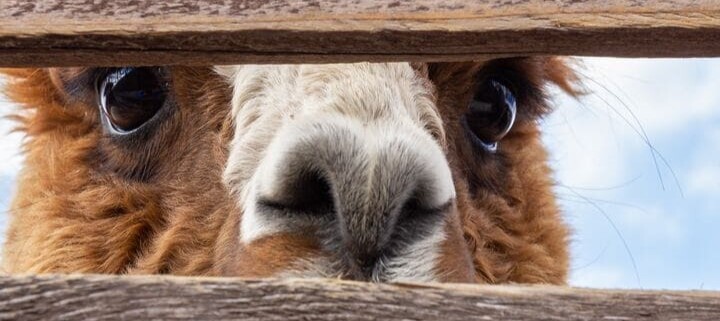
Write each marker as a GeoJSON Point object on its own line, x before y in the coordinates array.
{"type": "Point", "coordinates": [376, 188]}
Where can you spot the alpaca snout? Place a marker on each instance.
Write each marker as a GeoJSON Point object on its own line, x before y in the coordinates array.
{"type": "Point", "coordinates": [367, 188]}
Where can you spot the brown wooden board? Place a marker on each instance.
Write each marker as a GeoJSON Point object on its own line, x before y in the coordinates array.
{"type": "Point", "coordinates": [125, 32]}
{"type": "Point", "coordinates": [94, 297]}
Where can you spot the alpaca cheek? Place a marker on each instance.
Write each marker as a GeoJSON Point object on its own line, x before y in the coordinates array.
{"type": "Point", "coordinates": [275, 255]}
{"type": "Point", "coordinates": [454, 263]}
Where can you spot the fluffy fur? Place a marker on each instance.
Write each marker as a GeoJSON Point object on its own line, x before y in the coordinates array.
{"type": "Point", "coordinates": [173, 202]}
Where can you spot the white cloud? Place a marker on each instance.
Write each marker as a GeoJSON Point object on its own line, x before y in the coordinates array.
{"type": "Point", "coordinates": [704, 180]}
{"type": "Point", "coordinates": [664, 94]}
{"type": "Point", "coordinates": [703, 177]}
{"type": "Point", "coordinates": [607, 277]}
{"type": "Point", "coordinates": [652, 224]}
{"type": "Point", "coordinates": [582, 147]}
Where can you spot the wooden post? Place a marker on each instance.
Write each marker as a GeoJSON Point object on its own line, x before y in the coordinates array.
{"type": "Point", "coordinates": [75, 33]}
{"type": "Point", "coordinates": [175, 298]}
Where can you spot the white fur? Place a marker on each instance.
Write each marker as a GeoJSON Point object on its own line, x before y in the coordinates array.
{"type": "Point", "coordinates": [418, 261]}
{"type": "Point", "coordinates": [316, 267]}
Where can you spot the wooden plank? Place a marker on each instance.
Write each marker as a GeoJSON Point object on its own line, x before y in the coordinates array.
{"type": "Point", "coordinates": [175, 298]}
{"type": "Point", "coordinates": [127, 32]}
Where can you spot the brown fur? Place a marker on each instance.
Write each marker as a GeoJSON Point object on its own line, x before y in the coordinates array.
{"type": "Point", "coordinates": [88, 203]}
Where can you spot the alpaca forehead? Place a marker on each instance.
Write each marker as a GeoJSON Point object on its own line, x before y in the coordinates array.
{"type": "Point", "coordinates": [268, 97]}
{"type": "Point", "coordinates": [358, 89]}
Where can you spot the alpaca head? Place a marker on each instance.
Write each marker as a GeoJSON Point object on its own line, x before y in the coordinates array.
{"type": "Point", "coordinates": [368, 171]}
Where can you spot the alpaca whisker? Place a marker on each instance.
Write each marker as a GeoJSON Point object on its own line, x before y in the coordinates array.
{"type": "Point", "coordinates": [615, 229]}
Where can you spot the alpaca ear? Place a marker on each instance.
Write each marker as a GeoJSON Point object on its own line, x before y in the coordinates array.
{"type": "Point", "coordinates": [37, 89]}
{"type": "Point", "coordinates": [17, 72]}
{"type": "Point", "coordinates": [23, 83]}
{"type": "Point", "coordinates": [561, 71]}
{"type": "Point", "coordinates": [63, 77]}
{"type": "Point", "coordinates": [28, 87]}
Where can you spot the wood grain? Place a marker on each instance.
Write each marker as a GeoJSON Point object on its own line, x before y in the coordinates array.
{"type": "Point", "coordinates": [128, 32]}
{"type": "Point", "coordinates": [93, 297]}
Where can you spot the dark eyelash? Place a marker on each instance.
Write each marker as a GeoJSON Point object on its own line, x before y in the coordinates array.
{"type": "Point", "coordinates": [98, 75]}
{"type": "Point", "coordinates": [517, 74]}
{"type": "Point", "coordinates": [515, 80]}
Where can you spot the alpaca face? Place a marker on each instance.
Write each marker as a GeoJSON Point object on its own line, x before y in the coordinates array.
{"type": "Point", "coordinates": [379, 172]}
{"type": "Point", "coordinates": [344, 156]}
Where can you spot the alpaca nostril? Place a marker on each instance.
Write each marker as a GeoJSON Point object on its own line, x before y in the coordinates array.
{"type": "Point", "coordinates": [308, 193]}
{"type": "Point", "coordinates": [367, 265]}
{"type": "Point", "coordinates": [416, 212]}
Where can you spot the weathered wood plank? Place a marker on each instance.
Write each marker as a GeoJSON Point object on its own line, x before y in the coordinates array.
{"type": "Point", "coordinates": [175, 298]}
{"type": "Point", "coordinates": [124, 32]}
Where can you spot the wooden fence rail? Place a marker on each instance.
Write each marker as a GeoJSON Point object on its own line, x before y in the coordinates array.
{"type": "Point", "coordinates": [176, 298]}
{"type": "Point", "coordinates": [126, 32]}
{"type": "Point", "coordinates": [98, 33]}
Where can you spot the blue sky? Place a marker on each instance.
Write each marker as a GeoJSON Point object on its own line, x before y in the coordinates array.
{"type": "Point", "coordinates": [643, 217]}
{"type": "Point", "coordinates": [662, 201]}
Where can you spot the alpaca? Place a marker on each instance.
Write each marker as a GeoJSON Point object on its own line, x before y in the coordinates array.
{"type": "Point", "coordinates": [379, 172]}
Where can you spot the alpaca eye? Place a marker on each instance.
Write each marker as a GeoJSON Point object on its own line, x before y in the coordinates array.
{"type": "Point", "coordinates": [490, 114]}
{"type": "Point", "coordinates": [130, 97]}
